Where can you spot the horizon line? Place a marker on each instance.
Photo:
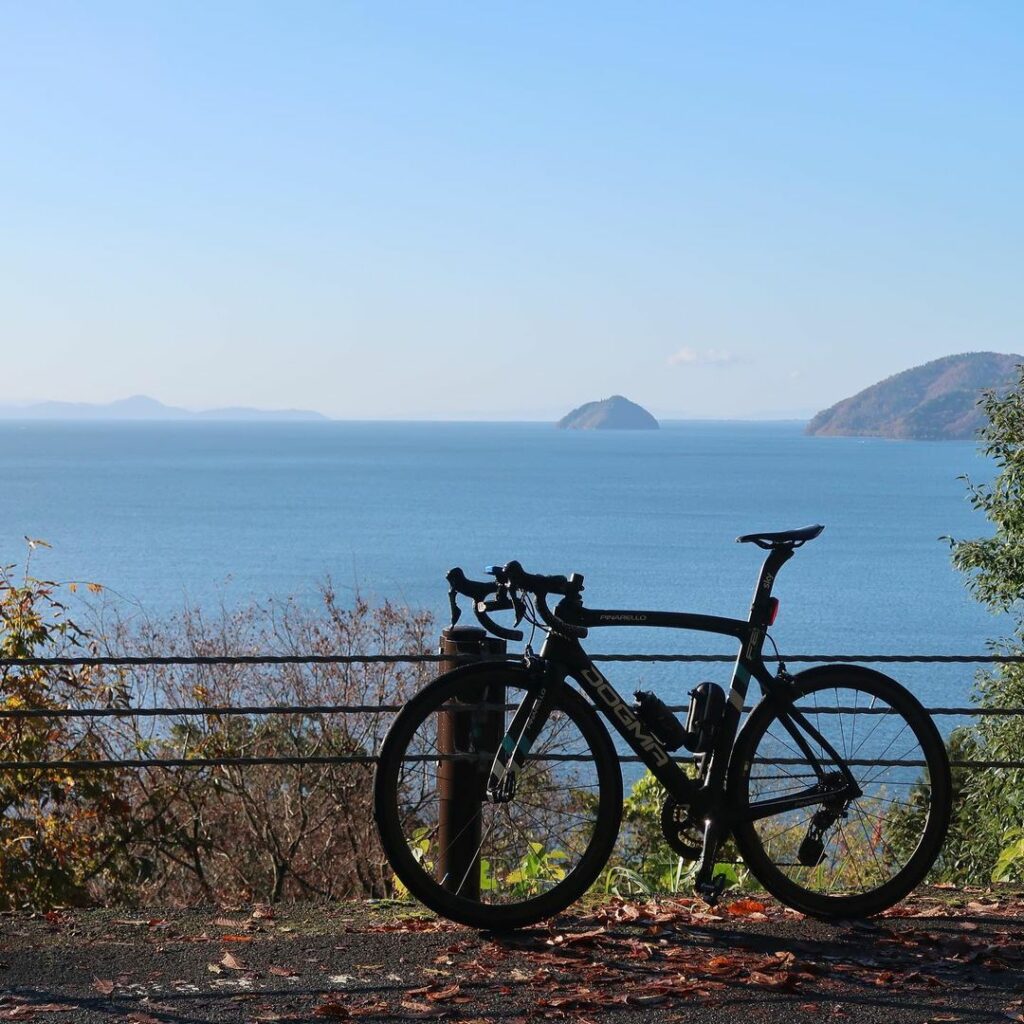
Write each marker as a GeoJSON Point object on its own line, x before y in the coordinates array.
{"type": "Point", "coordinates": [324, 418]}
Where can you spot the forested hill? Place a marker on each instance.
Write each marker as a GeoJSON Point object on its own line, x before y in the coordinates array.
{"type": "Point", "coordinates": [937, 401]}
{"type": "Point", "coordinates": [615, 413]}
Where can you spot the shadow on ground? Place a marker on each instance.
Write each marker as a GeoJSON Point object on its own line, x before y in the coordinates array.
{"type": "Point", "coordinates": [943, 956]}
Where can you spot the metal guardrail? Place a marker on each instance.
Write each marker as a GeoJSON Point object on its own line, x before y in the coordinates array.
{"type": "Point", "coordinates": [387, 659]}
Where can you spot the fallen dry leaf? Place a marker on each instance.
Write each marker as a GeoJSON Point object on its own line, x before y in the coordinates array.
{"type": "Point", "coordinates": [932, 912]}
{"type": "Point", "coordinates": [567, 1002]}
{"type": "Point", "coordinates": [282, 972]}
{"type": "Point", "coordinates": [373, 1008]}
{"type": "Point", "coordinates": [787, 982]}
{"type": "Point", "coordinates": [435, 993]}
{"type": "Point", "coordinates": [722, 965]}
{"type": "Point", "coordinates": [416, 1009]}
{"type": "Point", "coordinates": [640, 999]}
{"type": "Point", "coordinates": [576, 938]}
{"type": "Point", "coordinates": [745, 908]}
{"type": "Point", "coordinates": [980, 905]}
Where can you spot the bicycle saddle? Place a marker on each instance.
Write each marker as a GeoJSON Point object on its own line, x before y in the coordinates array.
{"type": "Point", "coordinates": [782, 538]}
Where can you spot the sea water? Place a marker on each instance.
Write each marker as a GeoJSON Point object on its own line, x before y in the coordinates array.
{"type": "Point", "coordinates": [226, 513]}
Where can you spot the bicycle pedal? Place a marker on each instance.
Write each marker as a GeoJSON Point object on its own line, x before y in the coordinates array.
{"type": "Point", "coordinates": [711, 892]}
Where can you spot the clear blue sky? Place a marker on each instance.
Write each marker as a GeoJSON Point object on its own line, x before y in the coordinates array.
{"type": "Point", "coordinates": [500, 210]}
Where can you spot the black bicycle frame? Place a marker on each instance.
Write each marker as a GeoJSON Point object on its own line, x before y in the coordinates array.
{"type": "Point", "coordinates": [707, 799]}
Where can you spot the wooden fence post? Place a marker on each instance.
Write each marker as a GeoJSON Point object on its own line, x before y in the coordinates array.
{"type": "Point", "coordinates": [461, 784]}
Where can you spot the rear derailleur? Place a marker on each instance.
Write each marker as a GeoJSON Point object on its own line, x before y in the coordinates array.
{"type": "Point", "coordinates": [812, 848]}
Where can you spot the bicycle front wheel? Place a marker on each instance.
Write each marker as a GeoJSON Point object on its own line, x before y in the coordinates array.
{"type": "Point", "coordinates": [506, 863]}
{"type": "Point", "coordinates": [843, 858]}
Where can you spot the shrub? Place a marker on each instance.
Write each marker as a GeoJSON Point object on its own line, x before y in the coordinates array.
{"type": "Point", "coordinates": [186, 834]}
{"type": "Point", "coordinates": [985, 837]}
{"type": "Point", "coordinates": [267, 831]}
{"type": "Point", "coordinates": [61, 834]}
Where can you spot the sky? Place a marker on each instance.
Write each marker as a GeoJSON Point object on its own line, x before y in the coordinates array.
{"type": "Point", "coordinates": [502, 210]}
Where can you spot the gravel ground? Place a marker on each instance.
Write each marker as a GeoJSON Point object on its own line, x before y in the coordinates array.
{"type": "Point", "coordinates": [945, 956]}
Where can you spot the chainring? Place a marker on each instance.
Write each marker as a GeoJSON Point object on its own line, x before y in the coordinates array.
{"type": "Point", "coordinates": [684, 835]}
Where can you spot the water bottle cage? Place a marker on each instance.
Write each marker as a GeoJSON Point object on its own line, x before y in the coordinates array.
{"type": "Point", "coordinates": [707, 705]}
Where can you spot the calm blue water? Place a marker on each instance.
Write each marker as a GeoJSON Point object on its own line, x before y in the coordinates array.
{"type": "Point", "coordinates": [229, 512]}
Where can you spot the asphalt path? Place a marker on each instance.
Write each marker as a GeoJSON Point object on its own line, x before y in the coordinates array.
{"type": "Point", "coordinates": [945, 956]}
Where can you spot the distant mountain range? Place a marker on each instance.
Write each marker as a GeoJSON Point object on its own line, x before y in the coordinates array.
{"type": "Point", "coordinates": [142, 407]}
{"type": "Point", "coordinates": [937, 401]}
{"type": "Point", "coordinates": [615, 413]}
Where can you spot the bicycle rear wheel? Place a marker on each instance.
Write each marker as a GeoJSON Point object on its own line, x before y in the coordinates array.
{"type": "Point", "coordinates": [490, 864]}
{"type": "Point", "coordinates": [839, 859]}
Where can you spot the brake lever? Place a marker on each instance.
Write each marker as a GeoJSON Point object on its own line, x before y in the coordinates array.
{"type": "Point", "coordinates": [456, 610]}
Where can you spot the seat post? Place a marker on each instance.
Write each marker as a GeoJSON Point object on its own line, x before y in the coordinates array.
{"type": "Point", "coordinates": [760, 609]}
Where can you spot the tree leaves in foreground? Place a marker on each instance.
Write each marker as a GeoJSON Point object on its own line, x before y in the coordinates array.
{"type": "Point", "coordinates": [986, 838]}
{"type": "Point", "coordinates": [60, 833]}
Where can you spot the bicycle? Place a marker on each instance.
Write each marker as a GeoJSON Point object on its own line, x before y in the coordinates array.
{"type": "Point", "coordinates": [498, 792]}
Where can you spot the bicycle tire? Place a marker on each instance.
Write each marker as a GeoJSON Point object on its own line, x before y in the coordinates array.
{"type": "Point", "coordinates": [408, 867]}
{"type": "Point", "coordinates": [938, 798]}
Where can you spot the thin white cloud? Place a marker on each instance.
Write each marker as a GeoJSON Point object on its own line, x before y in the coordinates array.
{"type": "Point", "coordinates": [702, 357]}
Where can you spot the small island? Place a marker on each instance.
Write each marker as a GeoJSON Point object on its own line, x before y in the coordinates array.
{"type": "Point", "coordinates": [615, 413]}
{"type": "Point", "coordinates": [139, 408]}
{"type": "Point", "coordinates": [937, 401]}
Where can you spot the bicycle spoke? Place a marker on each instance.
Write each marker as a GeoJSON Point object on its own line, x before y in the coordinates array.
{"type": "Point", "coordinates": [526, 843]}
{"type": "Point", "coordinates": [865, 841]}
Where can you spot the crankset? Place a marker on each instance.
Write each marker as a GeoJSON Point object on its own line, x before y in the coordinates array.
{"type": "Point", "coordinates": [683, 833]}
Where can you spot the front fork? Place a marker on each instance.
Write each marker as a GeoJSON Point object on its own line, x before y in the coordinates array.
{"type": "Point", "coordinates": [524, 729]}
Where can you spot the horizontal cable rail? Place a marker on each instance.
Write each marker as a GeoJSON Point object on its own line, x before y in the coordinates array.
{"type": "Point", "coordinates": [415, 659]}
{"type": "Point", "coordinates": [202, 711]}
{"type": "Point", "coordinates": [227, 710]}
{"type": "Point", "coordinates": [341, 759]}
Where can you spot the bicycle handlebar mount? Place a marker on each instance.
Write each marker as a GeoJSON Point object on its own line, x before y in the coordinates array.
{"type": "Point", "coordinates": [510, 580]}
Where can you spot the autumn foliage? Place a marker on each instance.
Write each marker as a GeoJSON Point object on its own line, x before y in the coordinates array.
{"type": "Point", "coordinates": [61, 834]}
{"type": "Point", "coordinates": [191, 833]}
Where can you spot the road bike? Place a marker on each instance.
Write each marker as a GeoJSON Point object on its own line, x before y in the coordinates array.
{"type": "Point", "coordinates": [498, 793]}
